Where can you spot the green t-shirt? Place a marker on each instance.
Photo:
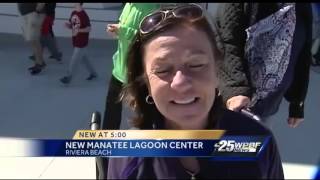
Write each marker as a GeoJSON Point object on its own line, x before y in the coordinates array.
{"type": "Point", "coordinates": [129, 20]}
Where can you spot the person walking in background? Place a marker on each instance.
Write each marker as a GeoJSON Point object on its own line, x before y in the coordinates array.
{"type": "Point", "coordinates": [32, 19]}
{"type": "Point", "coordinates": [79, 23]}
{"type": "Point", "coordinates": [232, 20]}
{"type": "Point", "coordinates": [47, 36]}
{"type": "Point", "coordinates": [125, 30]}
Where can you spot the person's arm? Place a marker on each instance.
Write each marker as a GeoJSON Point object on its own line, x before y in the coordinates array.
{"type": "Point", "coordinates": [297, 91]}
{"type": "Point", "coordinates": [235, 85]}
{"type": "Point", "coordinates": [129, 21]}
{"type": "Point", "coordinates": [113, 30]}
{"type": "Point", "coordinates": [85, 30]}
{"type": "Point", "coordinates": [126, 32]}
{"type": "Point", "coordinates": [121, 31]}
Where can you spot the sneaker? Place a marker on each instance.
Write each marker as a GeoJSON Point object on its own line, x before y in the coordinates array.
{"type": "Point", "coordinates": [58, 58]}
{"type": "Point", "coordinates": [92, 76]}
{"type": "Point", "coordinates": [32, 57]}
{"type": "Point", "coordinates": [65, 80]}
{"type": "Point", "coordinates": [41, 66]}
{"type": "Point", "coordinates": [36, 69]}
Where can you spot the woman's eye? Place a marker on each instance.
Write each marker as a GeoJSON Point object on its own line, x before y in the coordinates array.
{"type": "Point", "coordinates": [196, 66]}
{"type": "Point", "coordinates": [162, 71]}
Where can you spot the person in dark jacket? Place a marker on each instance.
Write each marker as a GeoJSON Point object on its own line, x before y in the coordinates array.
{"type": "Point", "coordinates": [237, 90]}
{"type": "Point", "coordinates": [172, 84]}
{"type": "Point", "coordinates": [316, 33]}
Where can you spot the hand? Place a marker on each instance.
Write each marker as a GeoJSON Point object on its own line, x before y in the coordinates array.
{"type": "Point", "coordinates": [294, 122]}
{"type": "Point", "coordinates": [237, 102]}
{"type": "Point", "coordinates": [113, 29]}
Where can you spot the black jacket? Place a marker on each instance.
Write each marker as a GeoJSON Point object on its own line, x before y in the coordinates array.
{"type": "Point", "coordinates": [267, 166]}
{"type": "Point", "coordinates": [231, 21]}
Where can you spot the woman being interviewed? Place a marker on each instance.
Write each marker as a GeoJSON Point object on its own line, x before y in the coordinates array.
{"type": "Point", "coordinates": [172, 84]}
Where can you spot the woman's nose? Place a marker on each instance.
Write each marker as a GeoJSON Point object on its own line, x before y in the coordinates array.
{"type": "Point", "coordinates": [181, 82]}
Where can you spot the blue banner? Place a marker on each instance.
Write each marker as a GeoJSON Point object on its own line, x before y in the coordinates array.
{"type": "Point", "coordinates": [228, 147]}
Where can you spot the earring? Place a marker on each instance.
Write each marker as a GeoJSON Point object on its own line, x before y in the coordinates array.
{"type": "Point", "coordinates": [149, 100]}
{"type": "Point", "coordinates": [218, 93]}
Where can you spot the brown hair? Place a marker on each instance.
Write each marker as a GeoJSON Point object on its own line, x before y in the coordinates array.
{"type": "Point", "coordinates": [136, 90]}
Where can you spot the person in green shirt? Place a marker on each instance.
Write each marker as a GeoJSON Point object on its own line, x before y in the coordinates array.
{"type": "Point", "coordinates": [129, 21]}
{"type": "Point", "coordinates": [124, 31]}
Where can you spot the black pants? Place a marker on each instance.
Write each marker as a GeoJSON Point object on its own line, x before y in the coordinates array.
{"type": "Point", "coordinates": [111, 120]}
{"type": "Point", "coordinates": [113, 107]}
{"type": "Point", "coordinates": [316, 57]}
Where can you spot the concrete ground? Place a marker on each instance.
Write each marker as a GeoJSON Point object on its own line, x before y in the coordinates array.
{"type": "Point", "coordinates": [41, 107]}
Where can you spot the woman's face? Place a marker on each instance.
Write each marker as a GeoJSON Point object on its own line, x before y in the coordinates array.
{"type": "Point", "coordinates": [180, 69]}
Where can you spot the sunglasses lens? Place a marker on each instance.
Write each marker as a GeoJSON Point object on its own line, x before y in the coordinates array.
{"type": "Point", "coordinates": [151, 22]}
{"type": "Point", "coordinates": [189, 12]}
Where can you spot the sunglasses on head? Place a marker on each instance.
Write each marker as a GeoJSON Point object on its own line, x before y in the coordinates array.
{"type": "Point", "coordinates": [190, 12]}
